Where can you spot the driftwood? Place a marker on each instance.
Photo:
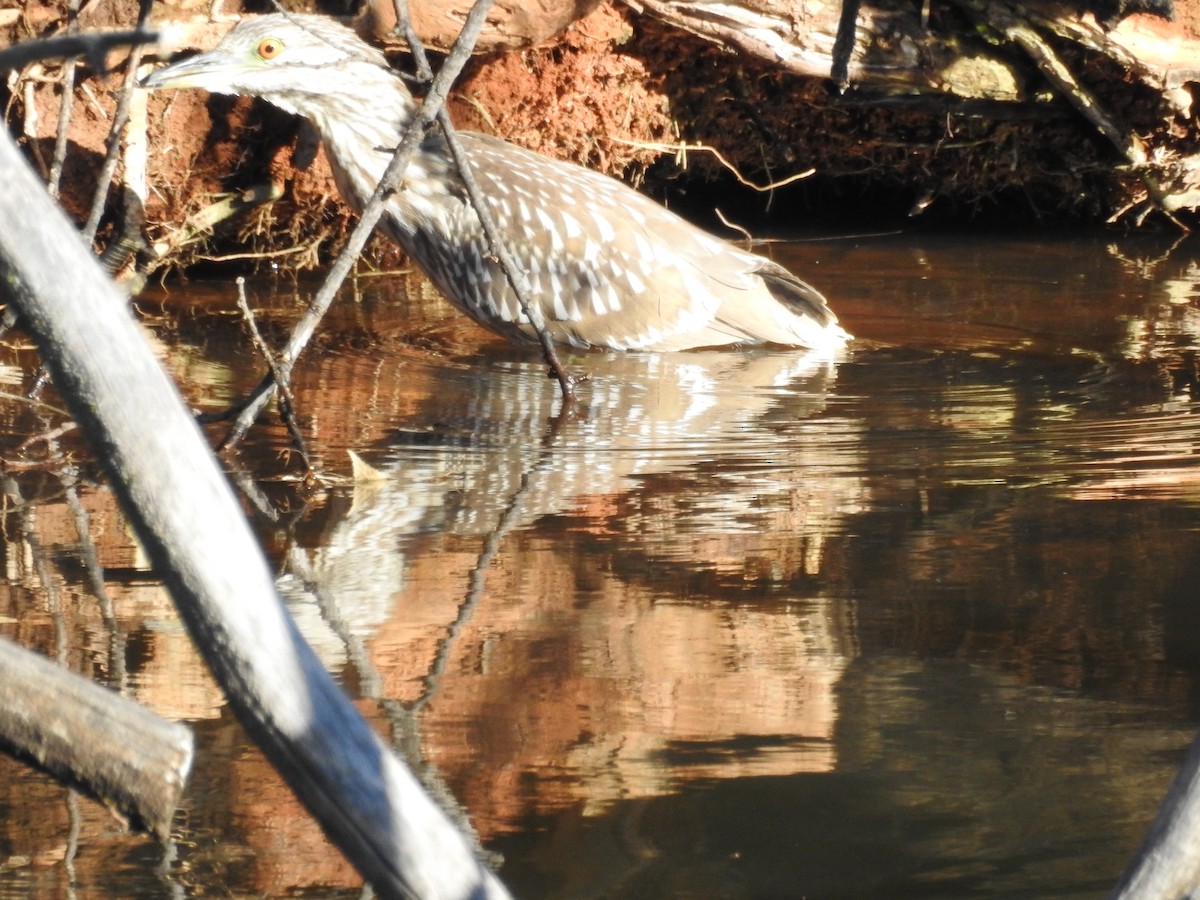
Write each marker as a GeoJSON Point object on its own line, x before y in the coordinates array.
{"type": "Point", "coordinates": [116, 750]}
{"type": "Point", "coordinates": [891, 49]}
{"type": "Point", "coordinates": [190, 523]}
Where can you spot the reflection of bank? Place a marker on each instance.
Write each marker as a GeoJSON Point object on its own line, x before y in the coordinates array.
{"type": "Point", "coordinates": [649, 608]}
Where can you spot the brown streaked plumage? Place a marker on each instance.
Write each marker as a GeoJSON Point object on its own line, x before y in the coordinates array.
{"type": "Point", "coordinates": [607, 266]}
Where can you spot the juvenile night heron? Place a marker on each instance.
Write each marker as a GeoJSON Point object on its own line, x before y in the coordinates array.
{"type": "Point", "coordinates": [606, 266]}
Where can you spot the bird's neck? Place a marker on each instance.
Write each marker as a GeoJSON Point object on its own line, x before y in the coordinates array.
{"type": "Point", "coordinates": [351, 124]}
{"type": "Point", "coordinates": [360, 137]}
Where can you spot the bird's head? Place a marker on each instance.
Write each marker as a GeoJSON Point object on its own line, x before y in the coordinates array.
{"type": "Point", "coordinates": [283, 58]}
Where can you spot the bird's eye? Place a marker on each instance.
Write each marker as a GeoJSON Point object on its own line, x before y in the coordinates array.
{"type": "Point", "coordinates": [269, 48]}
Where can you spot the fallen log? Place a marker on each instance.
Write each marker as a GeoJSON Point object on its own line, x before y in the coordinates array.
{"type": "Point", "coordinates": [129, 758]}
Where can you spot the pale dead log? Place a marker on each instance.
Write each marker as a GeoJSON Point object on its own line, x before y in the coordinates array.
{"type": "Point", "coordinates": [191, 525]}
{"type": "Point", "coordinates": [892, 51]}
{"type": "Point", "coordinates": [110, 747]}
{"type": "Point", "coordinates": [1154, 51]}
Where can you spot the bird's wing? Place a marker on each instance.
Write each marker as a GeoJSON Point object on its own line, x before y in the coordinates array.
{"type": "Point", "coordinates": [610, 266]}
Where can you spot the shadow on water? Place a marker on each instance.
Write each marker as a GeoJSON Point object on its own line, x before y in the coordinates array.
{"type": "Point", "coordinates": [912, 622]}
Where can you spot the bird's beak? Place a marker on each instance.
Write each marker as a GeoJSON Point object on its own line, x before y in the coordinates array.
{"type": "Point", "coordinates": [194, 72]}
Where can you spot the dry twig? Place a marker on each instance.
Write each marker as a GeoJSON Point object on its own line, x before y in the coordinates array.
{"type": "Point", "coordinates": [683, 148]}
{"type": "Point", "coordinates": [287, 402]}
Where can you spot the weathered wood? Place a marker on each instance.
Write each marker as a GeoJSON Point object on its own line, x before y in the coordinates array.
{"type": "Point", "coordinates": [110, 747]}
{"type": "Point", "coordinates": [897, 57]}
{"type": "Point", "coordinates": [1167, 865]}
{"type": "Point", "coordinates": [892, 51]}
{"type": "Point", "coordinates": [189, 521]}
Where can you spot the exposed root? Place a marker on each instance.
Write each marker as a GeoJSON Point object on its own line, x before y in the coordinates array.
{"type": "Point", "coordinates": [683, 148]}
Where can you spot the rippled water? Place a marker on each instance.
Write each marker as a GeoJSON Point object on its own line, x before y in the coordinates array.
{"type": "Point", "coordinates": [915, 621]}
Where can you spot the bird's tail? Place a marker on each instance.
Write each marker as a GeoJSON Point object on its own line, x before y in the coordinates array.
{"type": "Point", "coordinates": [799, 296]}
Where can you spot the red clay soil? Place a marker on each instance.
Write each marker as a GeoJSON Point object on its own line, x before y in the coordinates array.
{"type": "Point", "coordinates": [601, 91]}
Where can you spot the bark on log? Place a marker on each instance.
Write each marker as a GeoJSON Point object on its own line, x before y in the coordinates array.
{"type": "Point", "coordinates": [190, 523]}
{"type": "Point", "coordinates": [892, 51]}
{"type": "Point", "coordinates": [89, 737]}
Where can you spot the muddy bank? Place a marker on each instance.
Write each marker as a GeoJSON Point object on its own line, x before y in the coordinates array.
{"type": "Point", "coordinates": [960, 118]}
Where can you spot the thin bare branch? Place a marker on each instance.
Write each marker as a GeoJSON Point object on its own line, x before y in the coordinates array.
{"type": "Point", "coordinates": [92, 46]}
{"type": "Point", "coordinates": [496, 245]}
{"type": "Point", "coordinates": [287, 403]}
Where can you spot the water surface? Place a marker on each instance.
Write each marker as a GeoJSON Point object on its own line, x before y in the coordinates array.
{"type": "Point", "coordinates": [914, 621]}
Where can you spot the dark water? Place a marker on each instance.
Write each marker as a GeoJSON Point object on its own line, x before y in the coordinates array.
{"type": "Point", "coordinates": [916, 622]}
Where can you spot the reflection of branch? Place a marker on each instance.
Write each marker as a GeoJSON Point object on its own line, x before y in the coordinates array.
{"type": "Point", "coordinates": [93, 46]}
{"type": "Point", "coordinates": [69, 479]}
{"type": "Point", "coordinates": [475, 586]}
{"type": "Point", "coordinates": [405, 733]}
{"type": "Point", "coordinates": [491, 545]}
